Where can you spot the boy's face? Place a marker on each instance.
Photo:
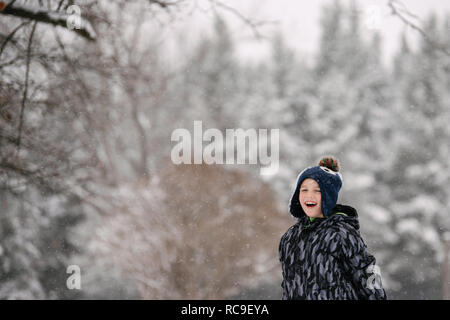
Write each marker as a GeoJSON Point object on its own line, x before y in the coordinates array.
{"type": "Point", "coordinates": [311, 198]}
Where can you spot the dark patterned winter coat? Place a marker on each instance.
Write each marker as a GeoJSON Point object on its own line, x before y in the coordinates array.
{"type": "Point", "coordinates": [327, 259]}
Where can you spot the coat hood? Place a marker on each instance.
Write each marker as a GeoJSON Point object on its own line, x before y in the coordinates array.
{"type": "Point", "coordinates": [350, 214]}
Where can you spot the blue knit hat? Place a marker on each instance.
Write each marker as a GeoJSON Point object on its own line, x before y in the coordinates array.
{"type": "Point", "coordinates": [330, 182]}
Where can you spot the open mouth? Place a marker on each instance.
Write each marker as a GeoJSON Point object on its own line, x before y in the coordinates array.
{"type": "Point", "coordinates": [311, 204]}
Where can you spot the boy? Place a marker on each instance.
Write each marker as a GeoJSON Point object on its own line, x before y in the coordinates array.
{"type": "Point", "coordinates": [323, 255]}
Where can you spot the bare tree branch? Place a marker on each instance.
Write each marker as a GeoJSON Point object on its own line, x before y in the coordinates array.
{"type": "Point", "coordinates": [25, 91]}
{"type": "Point", "coordinates": [49, 17]}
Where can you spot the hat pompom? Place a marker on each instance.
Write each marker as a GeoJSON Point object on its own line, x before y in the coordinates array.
{"type": "Point", "coordinates": [330, 163]}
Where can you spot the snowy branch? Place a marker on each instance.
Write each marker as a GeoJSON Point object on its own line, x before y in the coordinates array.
{"type": "Point", "coordinates": [50, 17]}
{"type": "Point", "coordinates": [164, 4]}
{"type": "Point", "coordinates": [11, 35]}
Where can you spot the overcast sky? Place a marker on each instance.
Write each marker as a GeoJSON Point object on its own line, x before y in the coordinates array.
{"type": "Point", "coordinates": [299, 22]}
